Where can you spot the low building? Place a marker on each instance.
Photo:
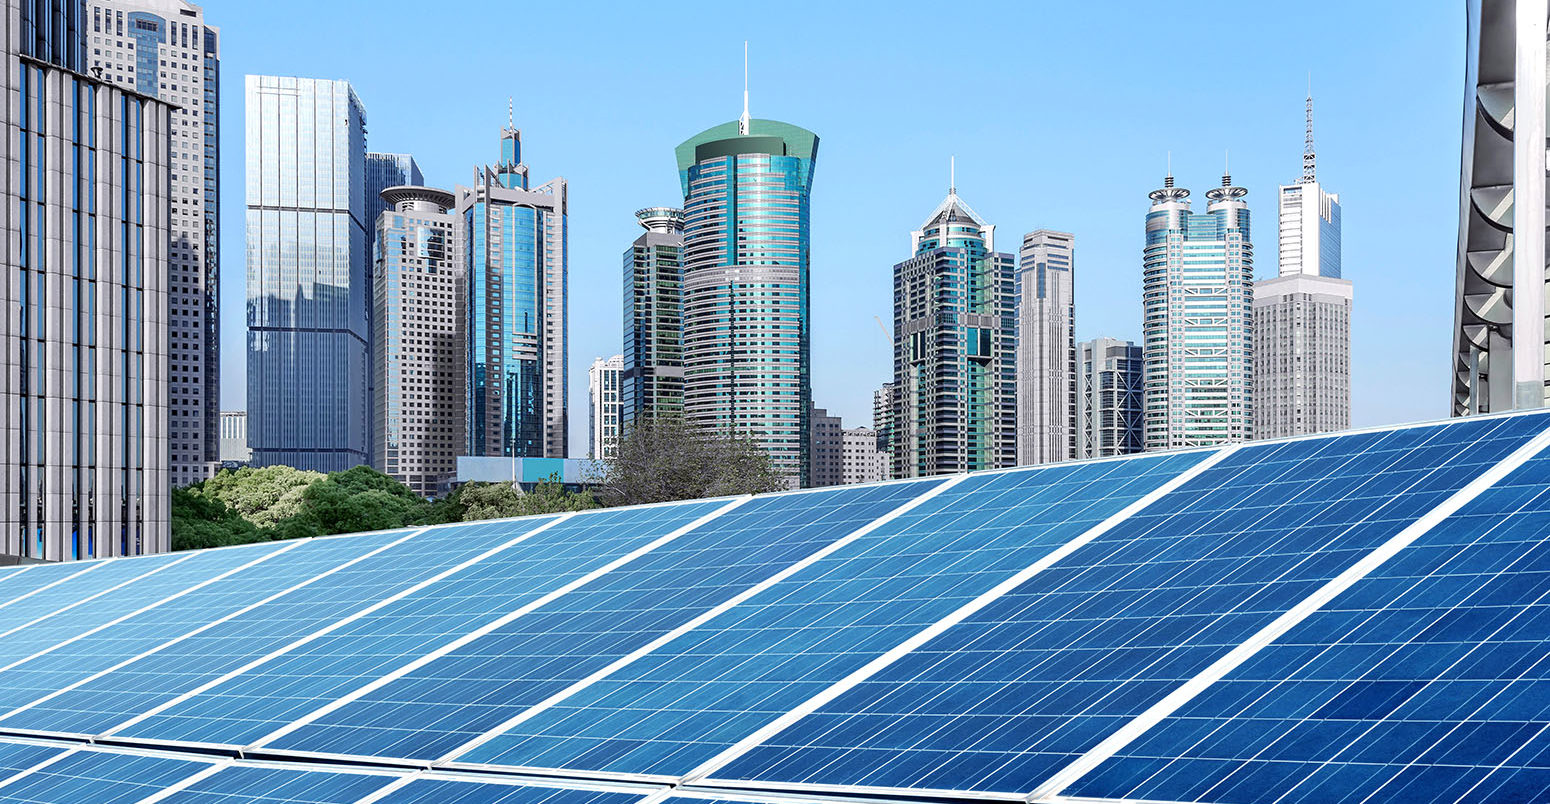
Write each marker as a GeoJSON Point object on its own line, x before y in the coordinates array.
{"type": "Point", "coordinates": [825, 458]}
{"type": "Point", "coordinates": [863, 461]}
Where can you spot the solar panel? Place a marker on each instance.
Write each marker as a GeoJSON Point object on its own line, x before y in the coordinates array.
{"type": "Point", "coordinates": [249, 784]}
{"type": "Point", "coordinates": [98, 777]}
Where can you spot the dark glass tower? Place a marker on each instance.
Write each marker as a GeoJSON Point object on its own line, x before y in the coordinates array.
{"type": "Point", "coordinates": [652, 383]}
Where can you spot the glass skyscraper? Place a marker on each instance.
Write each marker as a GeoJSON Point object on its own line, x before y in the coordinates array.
{"type": "Point", "coordinates": [746, 187]}
{"type": "Point", "coordinates": [517, 299]}
{"type": "Point", "coordinates": [309, 275]}
{"type": "Point", "coordinates": [384, 171]}
{"type": "Point", "coordinates": [1198, 291]}
{"type": "Point", "coordinates": [652, 383]}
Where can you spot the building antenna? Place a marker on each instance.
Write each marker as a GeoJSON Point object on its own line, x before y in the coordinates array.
{"type": "Point", "coordinates": [952, 175]}
{"type": "Point", "coordinates": [1308, 174]}
{"type": "Point", "coordinates": [511, 120]}
{"type": "Point", "coordinates": [742, 122]}
{"type": "Point", "coordinates": [1168, 180]}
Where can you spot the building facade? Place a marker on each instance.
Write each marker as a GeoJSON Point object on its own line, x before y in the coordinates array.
{"type": "Point", "coordinates": [653, 380]}
{"type": "Point", "coordinates": [164, 49]}
{"type": "Point", "coordinates": [1499, 333]}
{"type": "Point", "coordinates": [234, 437]}
{"type": "Point", "coordinates": [84, 380]}
{"type": "Point", "coordinates": [384, 171]}
{"type": "Point", "coordinates": [605, 424]}
{"type": "Point", "coordinates": [1111, 416]}
{"type": "Point", "coordinates": [747, 343]}
{"type": "Point", "coordinates": [826, 450]}
{"type": "Point", "coordinates": [954, 348]}
{"type": "Point", "coordinates": [1046, 348]}
{"type": "Point", "coordinates": [309, 275]}
{"type": "Point", "coordinates": [884, 400]}
{"type": "Point", "coordinates": [1198, 294]}
{"type": "Point", "coordinates": [517, 308]}
{"type": "Point", "coordinates": [863, 461]}
{"type": "Point", "coordinates": [1302, 318]}
{"type": "Point", "coordinates": [419, 344]}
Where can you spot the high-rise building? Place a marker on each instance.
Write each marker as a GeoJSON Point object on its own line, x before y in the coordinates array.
{"type": "Point", "coordinates": [1046, 348]}
{"type": "Point", "coordinates": [746, 187]}
{"type": "Point", "coordinates": [87, 214]}
{"type": "Point", "coordinates": [419, 344]}
{"type": "Point", "coordinates": [1110, 416]}
{"type": "Point", "coordinates": [884, 410]}
{"type": "Point", "coordinates": [234, 437]}
{"type": "Point", "coordinates": [605, 424]}
{"type": "Point", "coordinates": [163, 49]}
{"type": "Point", "coordinates": [1198, 273]}
{"type": "Point", "coordinates": [309, 275]}
{"type": "Point", "coordinates": [517, 308]}
{"type": "Point", "coordinates": [1302, 318]}
{"type": "Point", "coordinates": [826, 452]}
{"type": "Point", "coordinates": [954, 339]}
{"type": "Point", "coordinates": [863, 461]}
{"type": "Point", "coordinates": [653, 380]}
{"type": "Point", "coordinates": [384, 171]}
{"type": "Point", "coordinates": [1499, 333]}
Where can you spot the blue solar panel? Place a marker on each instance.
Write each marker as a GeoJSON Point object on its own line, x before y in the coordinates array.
{"type": "Point", "coordinates": [94, 777]}
{"type": "Point", "coordinates": [476, 688]}
{"type": "Point", "coordinates": [1018, 690]}
{"type": "Point", "coordinates": [247, 784]}
{"type": "Point", "coordinates": [15, 757]}
{"type": "Point", "coordinates": [160, 677]}
{"type": "Point", "coordinates": [1427, 681]}
{"type": "Point", "coordinates": [251, 705]}
{"type": "Point", "coordinates": [88, 579]}
{"type": "Point", "coordinates": [440, 791]}
{"type": "Point", "coordinates": [28, 579]}
{"type": "Point", "coordinates": [700, 694]}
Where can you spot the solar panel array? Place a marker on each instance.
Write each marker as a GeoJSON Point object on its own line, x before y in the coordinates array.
{"type": "Point", "coordinates": [1357, 617]}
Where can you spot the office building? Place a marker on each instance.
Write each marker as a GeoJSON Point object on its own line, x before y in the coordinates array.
{"type": "Point", "coordinates": [652, 383]}
{"type": "Point", "coordinates": [1110, 413]}
{"type": "Point", "coordinates": [863, 461]}
{"type": "Point", "coordinates": [884, 400]}
{"type": "Point", "coordinates": [163, 49]}
{"type": "Point", "coordinates": [234, 437]}
{"type": "Point", "coordinates": [309, 275]}
{"type": "Point", "coordinates": [1046, 348]}
{"type": "Point", "coordinates": [826, 450]}
{"type": "Point", "coordinates": [84, 471]}
{"type": "Point", "coordinates": [384, 171]}
{"type": "Point", "coordinates": [1198, 273]}
{"type": "Point", "coordinates": [1302, 318]}
{"type": "Point", "coordinates": [954, 336]}
{"type": "Point", "coordinates": [747, 344]}
{"type": "Point", "coordinates": [1499, 333]}
{"type": "Point", "coordinates": [605, 424]}
{"type": "Point", "coordinates": [517, 298]}
{"type": "Point", "coordinates": [419, 345]}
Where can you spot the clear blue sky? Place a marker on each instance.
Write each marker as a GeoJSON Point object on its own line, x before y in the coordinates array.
{"type": "Point", "coordinates": [1060, 115]}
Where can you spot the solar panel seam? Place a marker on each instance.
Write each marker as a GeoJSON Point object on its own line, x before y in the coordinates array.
{"type": "Point", "coordinates": [35, 768]}
{"type": "Point", "coordinates": [391, 788]}
{"type": "Point", "coordinates": [337, 624]}
{"type": "Point", "coordinates": [497, 623]}
{"type": "Point", "coordinates": [1181, 695]}
{"type": "Point", "coordinates": [177, 787]}
{"type": "Point", "coordinates": [694, 623]}
{"type": "Point", "coordinates": [212, 624]}
{"type": "Point", "coordinates": [958, 615]}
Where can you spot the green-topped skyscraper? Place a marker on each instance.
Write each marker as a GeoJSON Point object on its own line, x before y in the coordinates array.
{"type": "Point", "coordinates": [747, 340]}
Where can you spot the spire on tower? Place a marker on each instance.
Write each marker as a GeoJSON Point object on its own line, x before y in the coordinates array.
{"type": "Point", "coordinates": [1308, 175]}
{"type": "Point", "coordinates": [511, 116]}
{"type": "Point", "coordinates": [952, 175]}
{"type": "Point", "coordinates": [742, 122]}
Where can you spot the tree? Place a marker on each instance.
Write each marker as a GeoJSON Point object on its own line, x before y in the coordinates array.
{"type": "Point", "coordinates": [263, 496]}
{"type": "Point", "coordinates": [199, 522]}
{"type": "Point", "coordinates": [476, 501]}
{"type": "Point", "coordinates": [668, 458]}
{"type": "Point", "coordinates": [361, 499]}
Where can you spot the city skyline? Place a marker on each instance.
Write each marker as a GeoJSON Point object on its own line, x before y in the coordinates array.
{"type": "Point", "coordinates": [614, 143]}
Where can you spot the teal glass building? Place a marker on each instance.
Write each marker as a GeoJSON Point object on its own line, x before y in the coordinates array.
{"type": "Point", "coordinates": [747, 186]}
{"type": "Point", "coordinates": [652, 381]}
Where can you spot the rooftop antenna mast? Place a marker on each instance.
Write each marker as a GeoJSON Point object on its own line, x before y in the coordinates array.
{"type": "Point", "coordinates": [742, 122]}
{"type": "Point", "coordinates": [952, 175]}
{"type": "Point", "coordinates": [1308, 176]}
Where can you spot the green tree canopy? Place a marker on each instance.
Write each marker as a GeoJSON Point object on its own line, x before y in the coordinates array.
{"type": "Point", "coordinates": [262, 496]}
{"type": "Point", "coordinates": [668, 458]}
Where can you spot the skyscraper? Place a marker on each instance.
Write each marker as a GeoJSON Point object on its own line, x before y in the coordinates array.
{"type": "Point", "coordinates": [163, 49]}
{"type": "Point", "coordinates": [604, 423]}
{"type": "Point", "coordinates": [1110, 419]}
{"type": "Point", "coordinates": [653, 380]}
{"type": "Point", "coordinates": [1302, 318]}
{"type": "Point", "coordinates": [954, 325]}
{"type": "Point", "coordinates": [517, 307]}
{"type": "Point", "coordinates": [84, 383]}
{"type": "Point", "coordinates": [826, 453]}
{"type": "Point", "coordinates": [309, 275]}
{"type": "Point", "coordinates": [1046, 348]}
{"type": "Point", "coordinates": [419, 343]}
{"type": "Point", "coordinates": [884, 411]}
{"type": "Point", "coordinates": [384, 171]}
{"type": "Point", "coordinates": [746, 188]}
{"type": "Point", "coordinates": [1198, 273]}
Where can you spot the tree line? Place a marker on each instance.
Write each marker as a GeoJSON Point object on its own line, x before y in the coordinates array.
{"type": "Point", "coordinates": [657, 460]}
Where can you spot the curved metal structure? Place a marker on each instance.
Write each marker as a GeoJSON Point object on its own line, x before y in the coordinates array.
{"type": "Point", "coordinates": [1499, 331]}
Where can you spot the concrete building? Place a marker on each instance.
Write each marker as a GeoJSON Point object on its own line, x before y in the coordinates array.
{"type": "Point", "coordinates": [164, 49]}
{"type": "Point", "coordinates": [1046, 348]}
{"type": "Point", "coordinates": [605, 424]}
{"type": "Point", "coordinates": [309, 275]}
{"type": "Point", "coordinates": [1111, 409]}
{"type": "Point", "coordinates": [954, 337]}
{"type": "Point", "coordinates": [419, 344]}
{"type": "Point", "coordinates": [1302, 318]}
{"type": "Point", "coordinates": [863, 462]}
{"type": "Point", "coordinates": [517, 307]}
{"type": "Point", "coordinates": [384, 171]}
{"type": "Point", "coordinates": [884, 400]}
{"type": "Point", "coordinates": [1198, 294]}
{"type": "Point", "coordinates": [653, 380]}
{"type": "Point", "coordinates": [826, 451]}
{"type": "Point", "coordinates": [747, 342]}
{"type": "Point", "coordinates": [234, 437]}
{"type": "Point", "coordinates": [84, 469]}
{"type": "Point", "coordinates": [1499, 333]}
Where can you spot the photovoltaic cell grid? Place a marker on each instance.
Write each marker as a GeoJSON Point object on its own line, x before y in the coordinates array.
{"type": "Point", "coordinates": [98, 777]}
